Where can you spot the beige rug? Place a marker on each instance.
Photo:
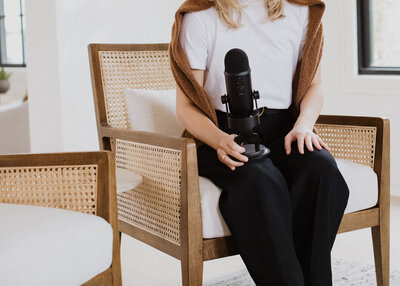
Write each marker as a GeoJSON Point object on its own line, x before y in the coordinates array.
{"type": "Point", "coordinates": [345, 273]}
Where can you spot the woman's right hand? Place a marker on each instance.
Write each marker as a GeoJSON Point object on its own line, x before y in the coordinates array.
{"type": "Point", "coordinates": [228, 147]}
{"type": "Point", "coordinates": [201, 127]}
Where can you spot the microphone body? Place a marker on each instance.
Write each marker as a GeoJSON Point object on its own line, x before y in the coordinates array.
{"type": "Point", "coordinates": [239, 89]}
{"type": "Point", "coordinates": [239, 102]}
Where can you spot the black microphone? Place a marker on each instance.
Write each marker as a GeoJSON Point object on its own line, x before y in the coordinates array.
{"type": "Point", "coordinates": [239, 102]}
{"type": "Point", "coordinates": [238, 83]}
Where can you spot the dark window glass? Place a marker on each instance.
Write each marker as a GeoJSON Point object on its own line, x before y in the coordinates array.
{"type": "Point", "coordinates": [379, 36]}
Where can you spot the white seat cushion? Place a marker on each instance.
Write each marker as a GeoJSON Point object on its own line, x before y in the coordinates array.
{"type": "Point", "coordinates": [361, 180]}
{"type": "Point", "coordinates": [363, 185]}
{"type": "Point", "coordinates": [153, 111]}
{"type": "Point", "coordinates": [127, 180]}
{"type": "Point", "coordinates": [45, 246]}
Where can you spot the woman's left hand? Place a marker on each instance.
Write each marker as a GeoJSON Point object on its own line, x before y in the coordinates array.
{"type": "Point", "coordinates": [304, 136]}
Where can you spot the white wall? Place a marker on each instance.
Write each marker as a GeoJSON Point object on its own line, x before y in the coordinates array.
{"type": "Point", "coordinates": [43, 77]}
{"type": "Point", "coordinates": [61, 104]}
{"type": "Point", "coordinates": [64, 35]}
{"type": "Point", "coordinates": [347, 92]}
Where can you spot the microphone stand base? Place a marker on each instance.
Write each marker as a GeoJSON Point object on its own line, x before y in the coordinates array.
{"type": "Point", "coordinates": [252, 154]}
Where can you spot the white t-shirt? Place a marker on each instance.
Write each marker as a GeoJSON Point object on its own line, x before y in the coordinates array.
{"type": "Point", "coordinates": [273, 49]}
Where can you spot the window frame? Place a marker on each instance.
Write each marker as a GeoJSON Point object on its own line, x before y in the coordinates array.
{"type": "Point", "coordinates": [365, 43]}
{"type": "Point", "coordinates": [2, 36]}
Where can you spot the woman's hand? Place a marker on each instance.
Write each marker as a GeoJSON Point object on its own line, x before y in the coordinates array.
{"type": "Point", "coordinates": [303, 135]}
{"type": "Point", "coordinates": [227, 146]}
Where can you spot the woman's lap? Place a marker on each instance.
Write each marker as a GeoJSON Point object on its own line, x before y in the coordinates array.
{"type": "Point", "coordinates": [291, 167]}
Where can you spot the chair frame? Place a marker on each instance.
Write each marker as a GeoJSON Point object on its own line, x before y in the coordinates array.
{"type": "Point", "coordinates": [106, 200]}
{"type": "Point", "coordinates": [193, 249]}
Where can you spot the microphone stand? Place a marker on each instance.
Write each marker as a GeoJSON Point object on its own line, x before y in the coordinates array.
{"type": "Point", "coordinates": [245, 126]}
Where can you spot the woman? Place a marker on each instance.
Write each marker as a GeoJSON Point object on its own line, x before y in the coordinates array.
{"type": "Point", "coordinates": [283, 211]}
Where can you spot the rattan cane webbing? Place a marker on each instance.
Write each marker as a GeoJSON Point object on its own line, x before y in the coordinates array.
{"type": "Point", "coordinates": [154, 205]}
{"type": "Point", "coordinates": [65, 187]}
{"type": "Point", "coordinates": [131, 69]}
{"type": "Point", "coordinates": [353, 143]}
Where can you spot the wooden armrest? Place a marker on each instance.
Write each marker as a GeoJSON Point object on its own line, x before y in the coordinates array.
{"type": "Point", "coordinates": [364, 140]}
{"type": "Point", "coordinates": [143, 137]}
{"type": "Point", "coordinates": [80, 182]}
{"type": "Point", "coordinates": [169, 193]}
{"type": "Point", "coordinates": [357, 139]}
{"type": "Point", "coordinates": [346, 120]}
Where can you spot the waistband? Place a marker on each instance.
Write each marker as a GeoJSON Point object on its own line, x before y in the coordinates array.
{"type": "Point", "coordinates": [264, 111]}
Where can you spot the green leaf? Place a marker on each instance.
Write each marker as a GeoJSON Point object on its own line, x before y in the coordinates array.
{"type": "Point", "coordinates": [4, 75]}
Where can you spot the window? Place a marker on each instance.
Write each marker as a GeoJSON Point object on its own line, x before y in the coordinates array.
{"type": "Point", "coordinates": [379, 36]}
{"type": "Point", "coordinates": [12, 25]}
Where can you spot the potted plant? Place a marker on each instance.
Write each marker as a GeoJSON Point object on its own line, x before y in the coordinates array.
{"type": "Point", "coordinates": [4, 83]}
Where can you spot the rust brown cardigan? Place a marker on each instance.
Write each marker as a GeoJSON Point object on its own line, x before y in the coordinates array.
{"type": "Point", "coordinates": [304, 74]}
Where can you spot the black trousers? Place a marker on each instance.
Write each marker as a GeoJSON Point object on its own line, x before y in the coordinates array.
{"type": "Point", "coordinates": [283, 211]}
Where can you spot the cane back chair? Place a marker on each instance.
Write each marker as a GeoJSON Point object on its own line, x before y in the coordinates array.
{"type": "Point", "coordinates": [164, 212]}
{"type": "Point", "coordinates": [82, 182]}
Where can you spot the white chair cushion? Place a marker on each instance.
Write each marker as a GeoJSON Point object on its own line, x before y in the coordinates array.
{"type": "Point", "coordinates": [361, 180]}
{"type": "Point", "coordinates": [363, 185]}
{"type": "Point", "coordinates": [153, 111]}
{"type": "Point", "coordinates": [45, 246]}
{"type": "Point", "coordinates": [127, 180]}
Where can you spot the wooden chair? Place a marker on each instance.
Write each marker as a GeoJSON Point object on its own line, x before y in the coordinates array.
{"type": "Point", "coordinates": [54, 180]}
{"type": "Point", "coordinates": [164, 211]}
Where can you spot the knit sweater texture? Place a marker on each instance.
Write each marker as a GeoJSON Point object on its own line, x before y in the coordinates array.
{"type": "Point", "coordinates": [304, 74]}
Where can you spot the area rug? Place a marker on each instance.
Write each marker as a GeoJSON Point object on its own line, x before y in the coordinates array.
{"type": "Point", "coordinates": [345, 273]}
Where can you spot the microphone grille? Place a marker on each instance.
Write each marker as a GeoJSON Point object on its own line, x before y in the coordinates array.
{"type": "Point", "coordinates": [236, 61]}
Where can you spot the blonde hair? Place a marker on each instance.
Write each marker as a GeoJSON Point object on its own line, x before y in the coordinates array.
{"type": "Point", "coordinates": [227, 8]}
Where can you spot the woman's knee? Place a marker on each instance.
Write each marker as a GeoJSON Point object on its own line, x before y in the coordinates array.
{"type": "Point", "coordinates": [257, 175]}
{"type": "Point", "coordinates": [262, 170]}
{"type": "Point", "coordinates": [253, 168]}
{"type": "Point", "coordinates": [325, 166]}
{"type": "Point", "coordinates": [321, 159]}
{"type": "Point", "coordinates": [255, 183]}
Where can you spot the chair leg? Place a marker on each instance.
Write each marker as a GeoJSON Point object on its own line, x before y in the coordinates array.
{"type": "Point", "coordinates": [380, 240]}
{"type": "Point", "coordinates": [192, 272]}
